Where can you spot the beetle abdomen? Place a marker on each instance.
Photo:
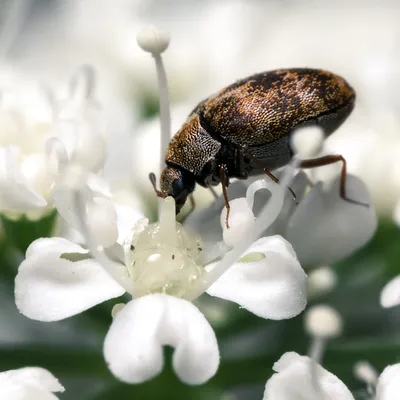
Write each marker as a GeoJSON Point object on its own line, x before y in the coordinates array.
{"type": "Point", "coordinates": [267, 106]}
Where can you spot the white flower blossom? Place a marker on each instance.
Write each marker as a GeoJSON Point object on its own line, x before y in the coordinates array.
{"type": "Point", "coordinates": [30, 383]}
{"type": "Point", "coordinates": [292, 381]}
{"type": "Point", "coordinates": [159, 265]}
{"type": "Point", "coordinates": [29, 117]}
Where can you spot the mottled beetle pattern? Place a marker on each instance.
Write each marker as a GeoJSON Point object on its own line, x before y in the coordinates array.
{"type": "Point", "coordinates": [245, 128]}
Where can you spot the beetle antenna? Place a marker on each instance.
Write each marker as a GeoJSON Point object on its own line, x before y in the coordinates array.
{"type": "Point", "coordinates": [153, 180]}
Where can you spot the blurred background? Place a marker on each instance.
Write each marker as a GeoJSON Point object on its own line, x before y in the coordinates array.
{"type": "Point", "coordinates": [213, 43]}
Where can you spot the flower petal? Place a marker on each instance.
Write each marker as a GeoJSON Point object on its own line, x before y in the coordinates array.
{"type": "Point", "coordinates": [133, 345]}
{"type": "Point", "coordinates": [325, 228]}
{"type": "Point", "coordinates": [51, 288]}
{"type": "Point", "coordinates": [127, 218]}
{"type": "Point", "coordinates": [16, 192]}
{"type": "Point", "coordinates": [274, 287]}
{"type": "Point", "coordinates": [390, 295]}
{"type": "Point", "coordinates": [293, 381]}
{"type": "Point", "coordinates": [388, 387]}
{"type": "Point", "coordinates": [30, 383]}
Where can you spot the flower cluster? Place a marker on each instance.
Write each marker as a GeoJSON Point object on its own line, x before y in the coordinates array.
{"type": "Point", "coordinates": [275, 230]}
{"type": "Point", "coordinates": [31, 118]}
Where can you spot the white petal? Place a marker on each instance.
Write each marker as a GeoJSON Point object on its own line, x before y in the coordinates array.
{"type": "Point", "coordinates": [84, 145]}
{"type": "Point", "coordinates": [388, 387]}
{"type": "Point", "coordinates": [133, 345]}
{"type": "Point", "coordinates": [15, 190]}
{"type": "Point", "coordinates": [274, 287]}
{"type": "Point", "coordinates": [127, 218]}
{"type": "Point", "coordinates": [102, 221]}
{"type": "Point", "coordinates": [30, 383]}
{"type": "Point", "coordinates": [293, 381]}
{"type": "Point", "coordinates": [48, 288]}
{"type": "Point", "coordinates": [390, 295]}
{"type": "Point", "coordinates": [325, 228]}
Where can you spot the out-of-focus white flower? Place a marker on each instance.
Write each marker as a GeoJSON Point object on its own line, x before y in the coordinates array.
{"type": "Point", "coordinates": [388, 386]}
{"type": "Point", "coordinates": [30, 383]}
{"type": "Point", "coordinates": [28, 119]}
{"type": "Point", "coordinates": [292, 381]}
{"type": "Point", "coordinates": [390, 294]}
{"type": "Point", "coordinates": [159, 266]}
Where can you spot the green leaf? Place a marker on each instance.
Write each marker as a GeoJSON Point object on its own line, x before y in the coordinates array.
{"type": "Point", "coordinates": [22, 232]}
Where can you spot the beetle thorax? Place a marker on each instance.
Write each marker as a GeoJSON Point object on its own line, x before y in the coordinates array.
{"type": "Point", "coordinates": [192, 147]}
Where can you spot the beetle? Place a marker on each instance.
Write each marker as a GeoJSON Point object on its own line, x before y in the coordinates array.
{"type": "Point", "coordinates": [245, 130]}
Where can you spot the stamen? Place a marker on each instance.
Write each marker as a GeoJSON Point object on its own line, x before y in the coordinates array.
{"type": "Point", "coordinates": [365, 372]}
{"type": "Point", "coordinates": [322, 322]}
{"type": "Point", "coordinates": [321, 281]}
{"type": "Point", "coordinates": [307, 142]}
{"type": "Point", "coordinates": [265, 218]}
{"type": "Point", "coordinates": [152, 40]}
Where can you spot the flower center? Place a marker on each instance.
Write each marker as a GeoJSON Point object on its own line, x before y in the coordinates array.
{"type": "Point", "coordinates": [163, 256]}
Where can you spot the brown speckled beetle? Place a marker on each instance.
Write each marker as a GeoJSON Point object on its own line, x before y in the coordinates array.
{"type": "Point", "coordinates": [245, 129]}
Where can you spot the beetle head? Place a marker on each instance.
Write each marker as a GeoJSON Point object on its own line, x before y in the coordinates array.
{"type": "Point", "coordinates": [178, 184]}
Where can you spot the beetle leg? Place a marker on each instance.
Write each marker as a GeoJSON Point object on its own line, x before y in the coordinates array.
{"type": "Point", "coordinates": [267, 171]}
{"type": "Point", "coordinates": [223, 176]}
{"type": "Point", "coordinates": [327, 160]}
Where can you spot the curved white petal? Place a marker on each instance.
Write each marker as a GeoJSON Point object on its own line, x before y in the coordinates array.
{"type": "Point", "coordinates": [388, 387]}
{"type": "Point", "coordinates": [325, 228]}
{"type": "Point", "coordinates": [390, 295]}
{"type": "Point", "coordinates": [29, 383]}
{"type": "Point", "coordinates": [133, 345]}
{"type": "Point", "coordinates": [274, 287]}
{"type": "Point", "coordinates": [49, 288]}
{"type": "Point", "coordinates": [293, 381]}
{"type": "Point", "coordinates": [15, 190]}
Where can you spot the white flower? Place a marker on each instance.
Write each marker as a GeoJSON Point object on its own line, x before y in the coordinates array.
{"type": "Point", "coordinates": [159, 266]}
{"type": "Point", "coordinates": [29, 117]}
{"type": "Point", "coordinates": [322, 228]}
{"type": "Point", "coordinates": [293, 381]}
{"type": "Point", "coordinates": [30, 383]}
